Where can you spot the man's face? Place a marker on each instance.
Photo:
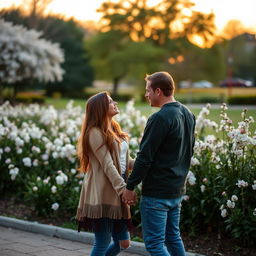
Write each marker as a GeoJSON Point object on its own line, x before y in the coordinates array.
{"type": "Point", "coordinates": [150, 95]}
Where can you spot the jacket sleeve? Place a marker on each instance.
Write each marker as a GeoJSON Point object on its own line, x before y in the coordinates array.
{"type": "Point", "coordinates": [103, 155]}
{"type": "Point", "coordinates": [153, 137]}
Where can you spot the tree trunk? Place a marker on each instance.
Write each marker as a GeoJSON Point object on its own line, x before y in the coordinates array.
{"type": "Point", "coordinates": [1, 94]}
{"type": "Point", "coordinates": [115, 86]}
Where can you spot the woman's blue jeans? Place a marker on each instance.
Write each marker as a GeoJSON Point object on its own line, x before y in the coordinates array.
{"type": "Point", "coordinates": [160, 224]}
{"type": "Point", "coordinates": [102, 246]}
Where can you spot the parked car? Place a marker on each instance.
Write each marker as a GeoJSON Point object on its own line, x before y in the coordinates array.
{"type": "Point", "coordinates": [202, 84]}
{"type": "Point", "coordinates": [185, 84]}
{"type": "Point", "coordinates": [236, 82]}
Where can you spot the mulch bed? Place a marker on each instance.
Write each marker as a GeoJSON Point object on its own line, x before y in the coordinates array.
{"type": "Point", "coordinates": [209, 244]}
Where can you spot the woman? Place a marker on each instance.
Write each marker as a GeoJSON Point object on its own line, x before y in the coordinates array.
{"type": "Point", "coordinates": [104, 157]}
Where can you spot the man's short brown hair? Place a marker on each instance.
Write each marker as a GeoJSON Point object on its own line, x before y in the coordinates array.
{"type": "Point", "coordinates": [163, 81]}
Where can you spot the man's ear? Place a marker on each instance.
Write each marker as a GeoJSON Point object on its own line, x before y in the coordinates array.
{"type": "Point", "coordinates": [158, 91]}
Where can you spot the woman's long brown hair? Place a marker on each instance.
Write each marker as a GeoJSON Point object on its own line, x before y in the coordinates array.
{"type": "Point", "coordinates": [96, 116]}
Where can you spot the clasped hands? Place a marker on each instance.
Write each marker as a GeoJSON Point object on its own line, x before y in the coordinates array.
{"type": "Point", "coordinates": [129, 197]}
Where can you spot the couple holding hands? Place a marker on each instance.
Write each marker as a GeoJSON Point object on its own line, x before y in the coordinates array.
{"type": "Point", "coordinates": [161, 164]}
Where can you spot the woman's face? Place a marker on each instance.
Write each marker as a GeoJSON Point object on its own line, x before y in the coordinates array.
{"type": "Point", "coordinates": [112, 109]}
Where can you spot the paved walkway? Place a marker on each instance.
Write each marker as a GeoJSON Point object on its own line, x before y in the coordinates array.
{"type": "Point", "coordinates": [14, 242]}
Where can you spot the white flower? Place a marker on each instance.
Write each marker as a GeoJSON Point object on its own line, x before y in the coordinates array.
{"type": "Point", "coordinates": [61, 178]}
{"type": "Point", "coordinates": [55, 206]}
{"type": "Point", "coordinates": [254, 212]}
{"type": "Point", "coordinates": [35, 188]}
{"type": "Point", "coordinates": [73, 171]}
{"type": "Point", "coordinates": [230, 204]}
{"type": "Point", "coordinates": [19, 151]}
{"type": "Point", "coordinates": [54, 189]}
{"type": "Point", "coordinates": [210, 139]}
{"type": "Point", "coordinates": [185, 197]}
{"type": "Point", "coordinates": [14, 172]}
{"type": "Point", "coordinates": [202, 187]}
{"type": "Point", "coordinates": [10, 166]}
{"type": "Point", "coordinates": [191, 178]}
{"type": "Point", "coordinates": [8, 161]}
{"type": "Point", "coordinates": [36, 149]}
{"type": "Point", "coordinates": [55, 155]}
{"type": "Point", "coordinates": [19, 142]}
{"type": "Point", "coordinates": [7, 149]}
{"type": "Point", "coordinates": [205, 180]}
{"type": "Point", "coordinates": [194, 161]}
{"type": "Point", "coordinates": [133, 142]}
{"type": "Point", "coordinates": [45, 157]}
{"type": "Point", "coordinates": [58, 142]}
{"type": "Point", "coordinates": [27, 161]}
{"type": "Point", "coordinates": [77, 189]}
{"type": "Point", "coordinates": [35, 162]}
{"type": "Point", "coordinates": [234, 198]}
{"type": "Point", "coordinates": [242, 183]}
{"type": "Point", "coordinates": [38, 179]}
{"type": "Point", "coordinates": [224, 213]}
{"type": "Point", "coordinates": [46, 181]}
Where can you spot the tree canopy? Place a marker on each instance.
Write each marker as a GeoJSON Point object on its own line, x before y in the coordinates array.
{"type": "Point", "coordinates": [70, 36]}
{"type": "Point", "coordinates": [25, 55]}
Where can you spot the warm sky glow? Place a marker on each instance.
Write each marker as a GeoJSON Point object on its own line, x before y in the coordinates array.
{"type": "Point", "coordinates": [225, 10]}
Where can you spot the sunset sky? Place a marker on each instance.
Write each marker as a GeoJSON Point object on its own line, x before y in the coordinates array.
{"type": "Point", "coordinates": [225, 10]}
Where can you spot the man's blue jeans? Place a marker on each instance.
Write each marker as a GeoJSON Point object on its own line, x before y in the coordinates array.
{"type": "Point", "coordinates": [102, 246]}
{"type": "Point", "coordinates": [160, 224]}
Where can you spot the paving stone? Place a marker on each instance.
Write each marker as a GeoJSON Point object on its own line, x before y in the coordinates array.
{"type": "Point", "coordinates": [21, 243]}
{"type": "Point", "coordinates": [12, 253]}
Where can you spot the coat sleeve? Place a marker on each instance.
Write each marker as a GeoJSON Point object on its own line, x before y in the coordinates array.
{"type": "Point", "coordinates": [154, 134]}
{"type": "Point", "coordinates": [103, 155]}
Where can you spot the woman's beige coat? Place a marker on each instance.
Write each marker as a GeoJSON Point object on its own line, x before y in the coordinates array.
{"type": "Point", "coordinates": [103, 185]}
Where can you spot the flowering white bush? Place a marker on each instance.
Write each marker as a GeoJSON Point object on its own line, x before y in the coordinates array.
{"type": "Point", "coordinates": [38, 158]}
{"type": "Point", "coordinates": [224, 167]}
{"type": "Point", "coordinates": [25, 55]}
{"type": "Point", "coordinates": [39, 143]}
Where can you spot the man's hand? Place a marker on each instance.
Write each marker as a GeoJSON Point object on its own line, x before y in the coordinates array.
{"type": "Point", "coordinates": [129, 197]}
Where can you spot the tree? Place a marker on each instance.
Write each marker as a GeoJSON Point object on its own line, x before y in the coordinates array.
{"type": "Point", "coordinates": [159, 23]}
{"type": "Point", "coordinates": [25, 55]}
{"type": "Point", "coordinates": [35, 10]}
{"type": "Point", "coordinates": [232, 29]}
{"type": "Point", "coordinates": [114, 57]}
{"type": "Point", "coordinates": [164, 27]}
{"type": "Point", "coordinates": [70, 36]}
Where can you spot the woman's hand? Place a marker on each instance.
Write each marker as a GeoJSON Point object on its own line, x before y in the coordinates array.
{"type": "Point", "coordinates": [129, 197]}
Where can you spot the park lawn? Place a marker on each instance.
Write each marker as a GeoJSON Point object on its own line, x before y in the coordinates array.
{"type": "Point", "coordinates": [146, 110]}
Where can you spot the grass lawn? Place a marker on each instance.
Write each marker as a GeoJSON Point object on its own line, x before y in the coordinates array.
{"type": "Point", "coordinates": [146, 110]}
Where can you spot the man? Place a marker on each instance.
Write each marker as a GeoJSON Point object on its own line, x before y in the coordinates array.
{"type": "Point", "coordinates": [162, 165]}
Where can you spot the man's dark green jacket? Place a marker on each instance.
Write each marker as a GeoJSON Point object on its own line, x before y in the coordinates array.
{"type": "Point", "coordinates": [165, 152]}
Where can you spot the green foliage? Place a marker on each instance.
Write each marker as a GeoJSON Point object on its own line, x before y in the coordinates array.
{"type": "Point", "coordinates": [242, 100]}
{"type": "Point", "coordinates": [114, 57]}
{"type": "Point", "coordinates": [203, 98]}
{"type": "Point", "coordinates": [221, 186]}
